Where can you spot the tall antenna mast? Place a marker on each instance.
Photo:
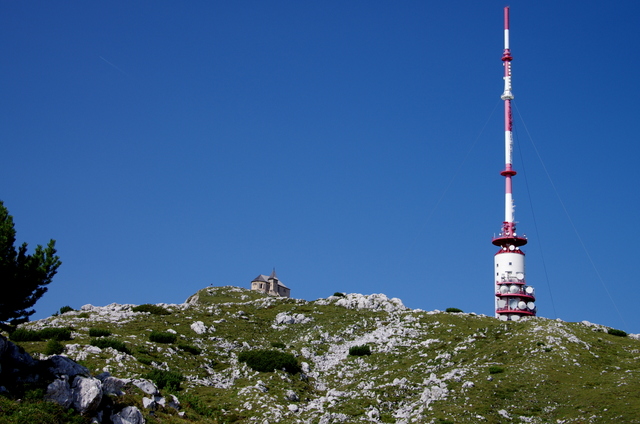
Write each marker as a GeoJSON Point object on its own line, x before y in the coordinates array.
{"type": "Point", "coordinates": [513, 298]}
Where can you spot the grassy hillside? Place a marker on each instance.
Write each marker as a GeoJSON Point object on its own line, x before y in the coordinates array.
{"type": "Point", "coordinates": [424, 367]}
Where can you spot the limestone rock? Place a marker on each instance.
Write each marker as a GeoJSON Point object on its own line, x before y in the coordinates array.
{"type": "Point", "coordinates": [149, 403]}
{"type": "Point", "coordinates": [113, 386]}
{"type": "Point", "coordinates": [128, 415]}
{"type": "Point", "coordinates": [292, 396]}
{"type": "Point", "coordinates": [62, 365]}
{"type": "Point", "coordinates": [87, 394]}
{"type": "Point", "coordinates": [198, 327]}
{"type": "Point", "coordinates": [285, 318]}
{"type": "Point", "coordinates": [146, 386]}
{"type": "Point", "coordinates": [60, 392]}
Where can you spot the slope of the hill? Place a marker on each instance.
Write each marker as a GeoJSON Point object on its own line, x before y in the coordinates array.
{"type": "Point", "coordinates": [425, 367]}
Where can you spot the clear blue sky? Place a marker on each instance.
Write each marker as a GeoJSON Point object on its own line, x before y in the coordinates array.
{"type": "Point", "coordinates": [354, 146]}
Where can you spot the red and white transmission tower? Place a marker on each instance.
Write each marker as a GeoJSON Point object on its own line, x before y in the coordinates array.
{"type": "Point", "coordinates": [513, 297]}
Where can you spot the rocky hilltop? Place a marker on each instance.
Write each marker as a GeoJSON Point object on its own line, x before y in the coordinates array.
{"type": "Point", "coordinates": [423, 367]}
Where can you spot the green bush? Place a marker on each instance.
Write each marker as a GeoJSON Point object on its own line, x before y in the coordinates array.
{"type": "Point", "coordinates": [104, 343]}
{"type": "Point", "coordinates": [278, 345]}
{"type": "Point", "coordinates": [53, 347]}
{"type": "Point", "coordinates": [188, 348]}
{"type": "Point", "coordinates": [99, 332]}
{"type": "Point", "coordinates": [494, 369]}
{"type": "Point", "coordinates": [453, 310]}
{"type": "Point", "coordinates": [160, 337]}
{"type": "Point", "coordinates": [362, 350]}
{"type": "Point", "coordinates": [169, 379]}
{"type": "Point", "coordinates": [66, 309]}
{"type": "Point", "coordinates": [339, 294]}
{"type": "Point", "coordinates": [615, 332]}
{"type": "Point", "coordinates": [269, 360]}
{"type": "Point", "coordinates": [152, 309]}
{"type": "Point", "coordinates": [55, 333]}
{"type": "Point", "coordinates": [24, 335]}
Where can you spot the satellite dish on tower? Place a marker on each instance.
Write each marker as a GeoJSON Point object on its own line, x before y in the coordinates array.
{"type": "Point", "coordinates": [529, 290]}
{"type": "Point", "coordinates": [531, 305]}
{"type": "Point", "coordinates": [522, 305]}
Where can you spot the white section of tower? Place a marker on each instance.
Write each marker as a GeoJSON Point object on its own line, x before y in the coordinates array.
{"type": "Point", "coordinates": [509, 208]}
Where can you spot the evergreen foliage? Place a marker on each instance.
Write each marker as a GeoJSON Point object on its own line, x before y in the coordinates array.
{"type": "Point", "coordinates": [269, 360]}
{"type": "Point", "coordinates": [169, 379]}
{"type": "Point", "coordinates": [53, 347]}
{"type": "Point", "coordinates": [66, 309]}
{"type": "Point", "coordinates": [160, 337]}
{"type": "Point", "coordinates": [618, 333]}
{"type": "Point", "coordinates": [363, 350]}
{"type": "Point", "coordinates": [23, 277]}
{"type": "Point", "coordinates": [24, 335]}
{"type": "Point", "coordinates": [188, 348]}
{"type": "Point", "coordinates": [453, 310]}
{"type": "Point", "coordinates": [99, 332]}
{"type": "Point", "coordinates": [152, 309]}
{"type": "Point", "coordinates": [494, 369]}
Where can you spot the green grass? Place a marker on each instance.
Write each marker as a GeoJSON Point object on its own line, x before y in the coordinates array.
{"type": "Point", "coordinates": [551, 371]}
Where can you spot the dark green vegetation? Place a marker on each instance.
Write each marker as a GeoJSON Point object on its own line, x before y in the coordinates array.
{"type": "Point", "coordinates": [161, 337]}
{"type": "Point", "coordinates": [269, 360]}
{"type": "Point", "coordinates": [25, 335]}
{"type": "Point", "coordinates": [99, 332]}
{"type": "Point", "coordinates": [53, 347]}
{"type": "Point", "coordinates": [618, 333]}
{"type": "Point", "coordinates": [425, 367]}
{"type": "Point", "coordinates": [494, 369]}
{"type": "Point", "coordinates": [165, 379]}
{"type": "Point", "coordinates": [23, 277]}
{"type": "Point", "coordinates": [152, 309]}
{"type": "Point", "coordinates": [362, 350]}
{"type": "Point", "coordinates": [453, 310]}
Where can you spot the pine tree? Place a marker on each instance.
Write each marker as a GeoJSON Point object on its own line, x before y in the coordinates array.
{"type": "Point", "coordinates": [23, 277]}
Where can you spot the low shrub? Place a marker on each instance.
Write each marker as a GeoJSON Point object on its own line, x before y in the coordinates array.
{"type": "Point", "coordinates": [66, 309]}
{"type": "Point", "coordinates": [453, 310]}
{"type": "Point", "coordinates": [188, 348]}
{"type": "Point", "coordinates": [269, 360]}
{"type": "Point", "coordinates": [362, 350]}
{"type": "Point", "coordinates": [24, 335]}
{"type": "Point", "coordinates": [55, 333]}
{"type": "Point", "coordinates": [53, 347]}
{"type": "Point", "coordinates": [152, 309]}
{"type": "Point", "coordinates": [615, 332]}
{"type": "Point", "coordinates": [104, 343]}
{"type": "Point", "coordinates": [494, 369]}
{"type": "Point", "coordinates": [160, 337]}
{"type": "Point", "coordinates": [278, 345]}
{"type": "Point", "coordinates": [169, 379]}
{"type": "Point", "coordinates": [99, 332]}
{"type": "Point", "coordinates": [339, 294]}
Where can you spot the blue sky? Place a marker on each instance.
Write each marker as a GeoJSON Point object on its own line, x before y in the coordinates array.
{"type": "Point", "coordinates": [354, 146]}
